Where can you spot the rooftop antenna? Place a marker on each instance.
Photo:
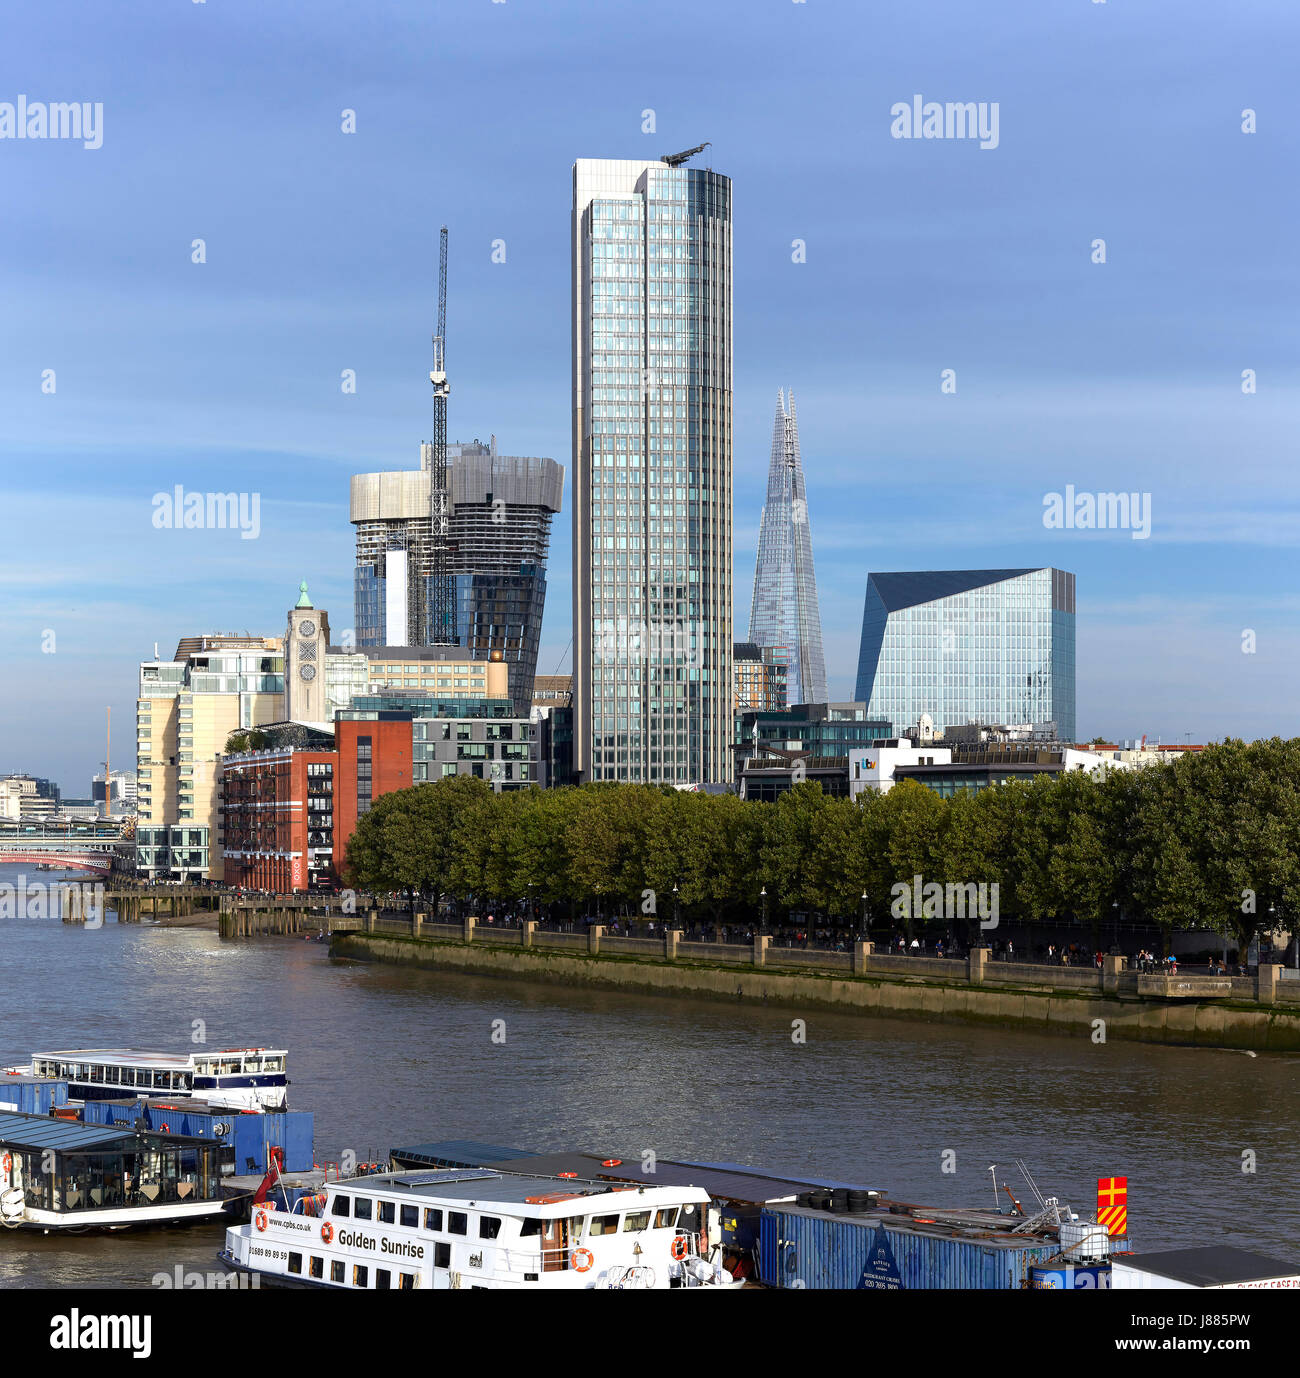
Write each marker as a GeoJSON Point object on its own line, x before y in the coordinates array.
{"type": "Point", "coordinates": [677, 159]}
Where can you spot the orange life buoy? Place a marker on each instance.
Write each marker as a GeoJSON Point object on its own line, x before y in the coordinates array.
{"type": "Point", "coordinates": [681, 1247]}
{"type": "Point", "coordinates": [164, 1127]}
{"type": "Point", "coordinates": [8, 1162]}
{"type": "Point", "coordinates": [327, 1232]}
{"type": "Point", "coordinates": [566, 1174]}
{"type": "Point", "coordinates": [260, 1222]}
{"type": "Point", "coordinates": [580, 1260]}
{"type": "Point", "coordinates": [612, 1162]}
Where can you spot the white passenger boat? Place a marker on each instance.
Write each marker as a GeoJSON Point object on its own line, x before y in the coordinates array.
{"type": "Point", "coordinates": [233, 1078]}
{"type": "Point", "coordinates": [484, 1229]}
{"type": "Point", "coordinates": [60, 1174]}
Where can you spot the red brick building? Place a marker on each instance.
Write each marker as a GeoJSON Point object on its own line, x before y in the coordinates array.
{"type": "Point", "coordinates": [373, 758]}
{"type": "Point", "coordinates": [278, 819]}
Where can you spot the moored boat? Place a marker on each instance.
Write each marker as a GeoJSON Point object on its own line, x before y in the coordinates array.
{"type": "Point", "coordinates": [482, 1229]}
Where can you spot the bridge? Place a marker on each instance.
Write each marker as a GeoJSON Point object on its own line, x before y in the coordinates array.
{"type": "Point", "coordinates": [61, 852]}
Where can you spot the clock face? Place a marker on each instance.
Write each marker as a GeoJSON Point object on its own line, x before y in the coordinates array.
{"type": "Point", "coordinates": [307, 672]}
{"type": "Point", "coordinates": [307, 628]}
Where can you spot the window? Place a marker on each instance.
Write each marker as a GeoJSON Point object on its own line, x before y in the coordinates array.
{"type": "Point", "coordinates": [360, 1275]}
{"type": "Point", "coordinates": [488, 1227]}
{"type": "Point", "coordinates": [410, 1216]}
{"type": "Point", "coordinates": [342, 1206]}
{"type": "Point", "coordinates": [530, 1228]}
{"type": "Point", "coordinates": [603, 1224]}
{"type": "Point", "coordinates": [432, 1219]}
{"type": "Point", "coordinates": [636, 1220]}
{"type": "Point", "coordinates": [666, 1219]}
{"type": "Point", "coordinates": [295, 1263]}
{"type": "Point", "coordinates": [336, 1270]}
{"type": "Point", "coordinates": [457, 1222]}
{"type": "Point", "coordinates": [317, 1266]}
{"type": "Point", "coordinates": [361, 1208]}
{"type": "Point", "coordinates": [406, 1281]}
{"type": "Point", "coordinates": [385, 1212]}
{"type": "Point", "coordinates": [383, 1279]}
{"type": "Point", "coordinates": [442, 1255]}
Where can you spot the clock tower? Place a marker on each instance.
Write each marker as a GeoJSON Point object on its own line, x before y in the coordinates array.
{"type": "Point", "coordinates": [305, 643]}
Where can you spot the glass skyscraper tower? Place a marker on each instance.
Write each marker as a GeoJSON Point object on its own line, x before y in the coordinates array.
{"type": "Point", "coordinates": [995, 645]}
{"type": "Point", "coordinates": [784, 610]}
{"type": "Point", "coordinates": [652, 445]}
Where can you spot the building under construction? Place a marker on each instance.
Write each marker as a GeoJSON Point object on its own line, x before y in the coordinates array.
{"type": "Point", "coordinates": [499, 535]}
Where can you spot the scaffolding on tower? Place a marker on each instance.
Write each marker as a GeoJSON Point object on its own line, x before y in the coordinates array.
{"type": "Point", "coordinates": [441, 616]}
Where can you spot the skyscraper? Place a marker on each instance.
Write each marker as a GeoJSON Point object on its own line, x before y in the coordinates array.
{"type": "Point", "coordinates": [994, 645]}
{"type": "Point", "coordinates": [500, 534]}
{"type": "Point", "coordinates": [652, 443]}
{"type": "Point", "coordinates": [784, 610]}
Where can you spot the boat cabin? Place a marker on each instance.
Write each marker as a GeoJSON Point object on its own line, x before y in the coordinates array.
{"type": "Point", "coordinates": [62, 1174]}
{"type": "Point", "coordinates": [244, 1078]}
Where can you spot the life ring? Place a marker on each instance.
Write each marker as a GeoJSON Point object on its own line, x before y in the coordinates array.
{"type": "Point", "coordinates": [612, 1162]}
{"type": "Point", "coordinates": [566, 1174]}
{"type": "Point", "coordinates": [7, 1162]}
{"type": "Point", "coordinates": [580, 1260]}
{"type": "Point", "coordinates": [260, 1221]}
{"type": "Point", "coordinates": [164, 1128]}
{"type": "Point", "coordinates": [681, 1247]}
{"type": "Point", "coordinates": [327, 1232]}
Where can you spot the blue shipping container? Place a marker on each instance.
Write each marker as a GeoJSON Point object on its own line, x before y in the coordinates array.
{"type": "Point", "coordinates": [819, 1250]}
{"type": "Point", "coordinates": [32, 1095]}
{"type": "Point", "coordinates": [1065, 1277]}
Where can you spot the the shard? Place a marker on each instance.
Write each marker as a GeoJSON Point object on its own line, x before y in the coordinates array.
{"type": "Point", "coordinates": [784, 611]}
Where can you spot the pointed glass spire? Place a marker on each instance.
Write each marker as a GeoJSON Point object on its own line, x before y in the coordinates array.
{"type": "Point", "coordinates": [784, 611]}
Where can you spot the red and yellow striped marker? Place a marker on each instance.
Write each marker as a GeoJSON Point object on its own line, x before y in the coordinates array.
{"type": "Point", "coordinates": [1112, 1205]}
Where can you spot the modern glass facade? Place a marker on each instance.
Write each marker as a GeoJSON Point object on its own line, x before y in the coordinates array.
{"type": "Point", "coordinates": [500, 533]}
{"type": "Point", "coordinates": [995, 645]}
{"type": "Point", "coordinates": [784, 611]}
{"type": "Point", "coordinates": [652, 448]}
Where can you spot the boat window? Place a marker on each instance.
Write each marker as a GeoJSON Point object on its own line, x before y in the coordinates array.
{"type": "Point", "coordinates": [530, 1227]}
{"type": "Point", "coordinates": [410, 1216]}
{"type": "Point", "coordinates": [385, 1212]}
{"type": "Point", "coordinates": [636, 1220]}
{"type": "Point", "coordinates": [317, 1266]}
{"type": "Point", "coordinates": [360, 1275]}
{"type": "Point", "coordinates": [342, 1206]}
{"type": "Point", "coordinates": [361, 1208]}
{"type": "Point", "coordinates": [432, 1218]}
{"type": "Point", "coordinates": [442, 1255]}
{"type": "Point", "coordinates": [383, 1279]}
{"type": "Point", "coordinates": [273, 1064]}
{"type": "Point", "coordinates": [336, 1270]}
{"type": "Point", "coordinates": [97, 1074]}
{"type": "Point", "coordinates": [457, 1222]}
{"type": "Point", "coordinates": [489, 1226]}
{"type": "Point", "coordinates": [603, 1224]}
{"type": "Point", "coordinates": [666, 1219]}
{"type": "Point", "coordinates": [295, 1263]}
{"type": "Point", "coordinates": [406, 1281]}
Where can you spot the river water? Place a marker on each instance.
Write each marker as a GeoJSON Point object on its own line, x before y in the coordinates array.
{"type": "Point", "coordinates": [386, 1056]}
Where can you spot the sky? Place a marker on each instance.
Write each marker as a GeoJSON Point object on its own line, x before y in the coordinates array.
{"type": "Point", "coordinates": [223, 121]}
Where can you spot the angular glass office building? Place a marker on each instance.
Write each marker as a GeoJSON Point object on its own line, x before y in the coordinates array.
{"type": "Point", "coordinates": [784, 610]}
{"type": "Point", "coordinates": [995, 645]}
{"type": "Point", "coordinates": [652, 451]}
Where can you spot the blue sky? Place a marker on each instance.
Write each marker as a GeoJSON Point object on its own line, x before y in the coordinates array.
{"type": "Point", "coordinates": [1119, 121]}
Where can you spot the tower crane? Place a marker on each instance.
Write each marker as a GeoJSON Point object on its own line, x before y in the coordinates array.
{"type": "Point", "coordinates": [442, 601]}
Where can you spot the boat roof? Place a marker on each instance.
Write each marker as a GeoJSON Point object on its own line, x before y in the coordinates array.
{"type": "Point", "coordinates": [479, 1187]}
{"type": "Point", "coordinates": [1210, 1266]}
{"type": "Point", "coordinates": [18, 1130]}
{"type": "Point", "coordinates": [141, 1058]}
{"type": "Point", "coordinates": [40, 1131]}
{"type": "Point", "coordinates": [459, 1153]}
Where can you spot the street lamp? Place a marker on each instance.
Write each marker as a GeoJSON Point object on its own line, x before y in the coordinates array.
{"type": "Point", "coordinates": [676, 925]}
{"type": "Point", "coordinates": [863, 932]}
{"type": "Point", "coordinates": [762, 929]}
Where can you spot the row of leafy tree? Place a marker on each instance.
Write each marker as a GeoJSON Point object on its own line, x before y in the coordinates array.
{"type": "Point", "coordinates": [1210, 839]}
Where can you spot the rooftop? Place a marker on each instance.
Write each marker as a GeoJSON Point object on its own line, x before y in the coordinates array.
{"type": "Point", "coordinates": [1211, 1266]}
